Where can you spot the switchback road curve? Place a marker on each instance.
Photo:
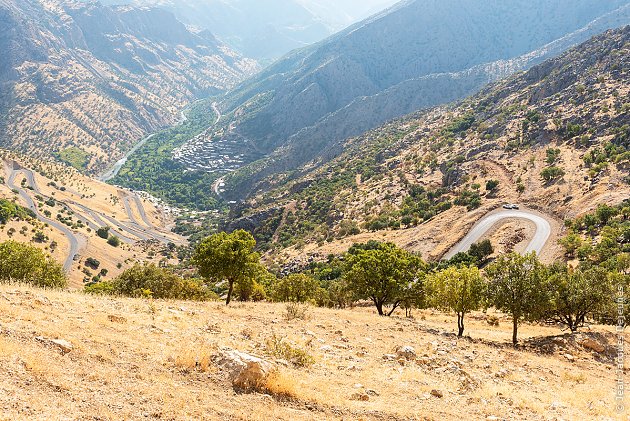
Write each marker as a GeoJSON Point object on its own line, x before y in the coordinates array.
{"type": "Point", "coordinates": [542, 234]}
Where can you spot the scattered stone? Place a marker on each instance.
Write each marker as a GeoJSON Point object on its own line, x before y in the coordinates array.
{"type": "Point", "coordinates": [245, 371]}
{"type": "Point", "coordinates": [359, 397]}
{"type": "Point", "coordinates": [372, 392]}
{"type": "Point", "coordinates": [492, 418]}
{"type": "Point", "coordinates": [389, 357]}
{"type": "Point", "coordinates": [116, 319]}
{"type": "Point", "coordinates": [64, 346]}
{"type": "Point", "coordinates": [326, 348]}
{"type": "Point", "coordinates": [569, 357]}
{"type": "Point", "coordinates": [406, 352]}
{"type": "Point", "coordinates": [437, 393]}
{"type": "Point", "coordinates": [593, 345]}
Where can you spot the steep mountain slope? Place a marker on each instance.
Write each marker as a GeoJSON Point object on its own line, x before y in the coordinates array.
{"type": "Point", "coordinates": [417, 54]}
{"type": "Point", "coordinates": [555, 139]}
{"type": "Point", "coordinates": [87, 81]}
{"type": "Point", "coordinates": [267, 30]}
{"type": "Point", "coordinates": [261, 30]}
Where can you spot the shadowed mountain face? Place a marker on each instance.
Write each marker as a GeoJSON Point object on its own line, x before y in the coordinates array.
{"type": "Point", "coordinates": [417, 54]}
{"type": "Point", "coordinates": [96, 79]}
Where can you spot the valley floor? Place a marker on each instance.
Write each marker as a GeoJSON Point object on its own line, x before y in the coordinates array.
{"type": "Point", "coordinates": [138, 359]}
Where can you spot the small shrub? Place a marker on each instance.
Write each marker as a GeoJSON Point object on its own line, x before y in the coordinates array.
{"type": "Point", "coordinates": [113, 241]}
{"type": "Point", "coordinates": [492, 320]}
{"type": "Point", "coordinates": [280, 348]}
{"type": "Point", "coordinates": [296, 311]}
{"type": "Point", "coordinates": [103, 232]}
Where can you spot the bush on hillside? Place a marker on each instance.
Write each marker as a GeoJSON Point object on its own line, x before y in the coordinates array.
{"type": "Point", "coordinates": [151, 281]}
{"type": "Point", "coordinates": [23, 263]}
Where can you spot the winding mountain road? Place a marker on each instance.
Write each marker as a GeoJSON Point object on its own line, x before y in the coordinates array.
{"type": "Point", "coordinates": [72, 237]}
{"type": "Point", "coordinates": [542, 234]}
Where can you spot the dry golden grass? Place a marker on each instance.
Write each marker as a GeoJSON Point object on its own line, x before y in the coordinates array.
{"type": "Point", "coordinates": [152, 360]}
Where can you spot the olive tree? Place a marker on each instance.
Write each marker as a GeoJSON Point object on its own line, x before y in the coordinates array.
{"type": "Point", "coordinates": [228, 258]}
{"type": "Point", "coordinates": [458, 289]}
{"type": "Point", "coordinates": [576, 293]}
{"type": "Point", "coordinates": [517, 286]}
{"type": "Point", "coordinates": [381, 272]}
{"type": "Point", "coordinates": [296, 287]}
{"type": "Point", "coordinates": [27, 264]}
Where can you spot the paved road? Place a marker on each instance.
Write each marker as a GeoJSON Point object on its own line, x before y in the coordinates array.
{"type": "Point", "coordinates": [72, 238]}
{"type": "Point", "coordinates": [100, 223]}
{"type": "Point", "coordinates": [141, 210]}
{"type": "Point", "coordinates": [543, 231]}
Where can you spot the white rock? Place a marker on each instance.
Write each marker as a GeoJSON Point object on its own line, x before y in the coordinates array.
{"type": "Point", "coordinates": [64, 346]}
{"type": "Point", "coordinates": [406, 352]}
{"type": "Point", "coordinates": [245, 371]}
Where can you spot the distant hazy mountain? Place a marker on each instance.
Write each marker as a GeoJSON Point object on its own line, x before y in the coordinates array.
{"type": "Point", "coordinates": [341, 13]}
{"type": "Point", "coordinates": [267, 29]}
{"type": "Point", "coordinates": [417, 54]}
{"type": "Point", "coordinates": [95, 79]}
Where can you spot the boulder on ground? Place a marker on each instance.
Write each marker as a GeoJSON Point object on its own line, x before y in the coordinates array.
{"type": "Point", "coordinates": [245, 371]}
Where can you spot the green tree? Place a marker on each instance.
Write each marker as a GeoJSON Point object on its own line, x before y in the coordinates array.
{"type": "Point", "coordinates": [517, 286]}
{"type": "Point", "coordinates": [228, 258]}
{"type": "Point", "coordinates": [456, 289]}
{"type": "Point", "coordinates": [113, 241]}
{"type": "Point", "coordinates": [295, 288]}
{"type": "Point", "coordinates": [605, 213]}
{"type": "Point", "coordinates": [481, 251]}
{"type": "Point", "coordinates": [151, 281]}
{"type": "Point", "coordinates": [103, 232]}
{"type": "Point", "coordinates": [571, 243]}
{"type": "Point", "coordinates": [552, 173]}
{"type": "Point", "coordinates": [27, 264]}
{"type": "Point", "coordinates": [491, 185]}
{"type": "Point", "coordinates": [576, 293]}
{"type": "Point", "coordinates": [381, 272]}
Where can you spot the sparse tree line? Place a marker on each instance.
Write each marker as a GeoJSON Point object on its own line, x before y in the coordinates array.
{"type": "Point", "coordinates": [227, 265]}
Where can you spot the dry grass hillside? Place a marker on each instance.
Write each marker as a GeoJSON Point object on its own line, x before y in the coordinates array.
{"type": "Point", "coordinates": [134, 359]}
{"type": "Point", "coordinates": [80, 198]}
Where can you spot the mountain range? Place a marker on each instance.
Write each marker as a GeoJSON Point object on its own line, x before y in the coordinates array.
{"type": "Point", "coordinates": [257, 30]}
{"type": "Point", "coordinates": [417, 54]}
{"type": "Point", "coordinates": [87, 81]}
{"type": "Point", "coordinates": [555, 138]}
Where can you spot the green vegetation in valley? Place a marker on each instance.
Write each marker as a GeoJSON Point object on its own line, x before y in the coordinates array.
{"type": "Point", "coordinates": [75, 157]}
{"type": "Point", "coordinates": [153, 170]}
